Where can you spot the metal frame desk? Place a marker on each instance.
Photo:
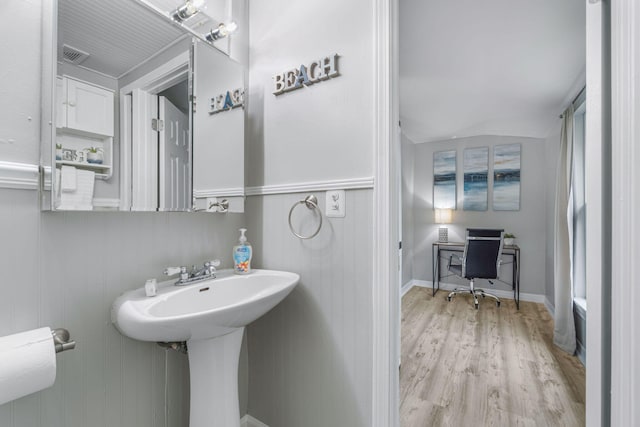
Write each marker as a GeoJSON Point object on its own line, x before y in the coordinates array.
{"type": "Point", "coordinates": [512, 250]}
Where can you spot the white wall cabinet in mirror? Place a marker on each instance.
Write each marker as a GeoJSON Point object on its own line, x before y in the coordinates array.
{"type": "Point", "coordinates": [85, 127]}
{"type": "Point", "coordinates": [84, 107]}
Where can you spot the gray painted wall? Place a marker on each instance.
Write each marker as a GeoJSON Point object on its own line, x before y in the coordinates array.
{"type": "Point", "coordinates": [310, 358]}
{"type": "Point", "coordinates": [408, 170]}
{"type": "Point", "coordinates": [20, 77]}
{"type": "Point", "coordinates": [324, 131]}
{"type": "Point", "coordinates": [65, 270]}
{"type": "Point", "coordinates": [528, 224]}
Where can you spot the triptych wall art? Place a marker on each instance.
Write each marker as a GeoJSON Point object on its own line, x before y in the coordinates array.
{"type": "Point", "coordinates": [476, 178]}
{"type": "Point", "coordinates": [444, 179]}
{"type": "Point", "coordinates": [506, 177]}
{"type": "Point", "coordinates": [475, 164]}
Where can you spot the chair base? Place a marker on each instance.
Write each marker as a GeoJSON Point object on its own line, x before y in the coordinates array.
{"type": "Point", "coordinates": [474, 292]}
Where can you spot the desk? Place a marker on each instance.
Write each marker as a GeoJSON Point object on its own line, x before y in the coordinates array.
{"type": "Point", "coordinates": [511, 250]}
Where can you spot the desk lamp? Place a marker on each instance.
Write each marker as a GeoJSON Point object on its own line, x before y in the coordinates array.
{"type": "Point", "coordinates": [443, 216]}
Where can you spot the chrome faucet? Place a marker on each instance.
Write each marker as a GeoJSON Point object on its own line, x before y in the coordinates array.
{"type": "Point", "coordinates": [207, 271]}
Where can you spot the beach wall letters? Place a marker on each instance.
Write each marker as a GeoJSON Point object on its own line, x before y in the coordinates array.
{"type": "Point", "coordinates": [306, 75]}
{"type": "Point", "coordinates": [227, 101]}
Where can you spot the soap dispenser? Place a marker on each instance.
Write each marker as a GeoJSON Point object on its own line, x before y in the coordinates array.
{"type": "Point", "coordinates": [242, 255]}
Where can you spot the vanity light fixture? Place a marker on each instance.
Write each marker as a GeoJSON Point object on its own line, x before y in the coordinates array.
{"type": "Point", "coordinates": [222, 31]}
{"type": "Point", "coordinates": [187, 10]}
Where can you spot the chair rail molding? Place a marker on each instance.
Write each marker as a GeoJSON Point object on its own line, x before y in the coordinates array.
{"type": "Point", "coordinates": [303, 187]}
{"type": "Point", "coordinates": [23, 176]}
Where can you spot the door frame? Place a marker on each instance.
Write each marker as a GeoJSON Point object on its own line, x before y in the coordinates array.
{"type": "Point", "coordinates": [138, 106]}
{"type": "Point", "coordinates": [386, 286]}
{"type": "Point", "coordinates": [624, 176]}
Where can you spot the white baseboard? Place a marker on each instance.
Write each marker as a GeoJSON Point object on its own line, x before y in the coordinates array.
{"type": "Point", "coordinates": [249, 421]}
{"type": "Point", "coordinates": [406, 287]}
{"type": "Point", "coordinates": [550, 307]}
{"type": "Point", "coordinates": [497, 292]}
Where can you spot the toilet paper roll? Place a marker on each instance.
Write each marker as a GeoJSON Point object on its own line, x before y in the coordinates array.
{"type": "Point", "coordinates": [27, 363]}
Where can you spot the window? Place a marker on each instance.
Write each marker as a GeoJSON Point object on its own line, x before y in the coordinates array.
{"type": "Point", "coordinates": [579, 208]}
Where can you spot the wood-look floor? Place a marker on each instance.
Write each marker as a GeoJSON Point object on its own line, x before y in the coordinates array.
{"type": "Point", "coordinates": [487, 367]}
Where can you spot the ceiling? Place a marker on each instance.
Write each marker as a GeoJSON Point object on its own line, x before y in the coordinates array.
{"type": "Point", "coordinates": [497, 67]}
{"type": "Point", "coordinates": [120, 34]}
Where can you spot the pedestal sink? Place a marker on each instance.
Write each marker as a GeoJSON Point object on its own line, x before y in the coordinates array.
{"type": "Point", "coordinates": [210, 316]}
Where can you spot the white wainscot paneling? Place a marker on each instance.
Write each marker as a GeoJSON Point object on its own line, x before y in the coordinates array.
{"type": "Point", "coordinates": [310, 358]}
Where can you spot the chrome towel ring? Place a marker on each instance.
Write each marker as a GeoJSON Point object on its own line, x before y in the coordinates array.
{"type": "Point", "coordinates": [312, 203]}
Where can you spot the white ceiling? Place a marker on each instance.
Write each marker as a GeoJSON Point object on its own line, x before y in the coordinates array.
{"type": "Point", "coordinates": [496, 67]}
{"type": "Point", "coordinates": [120, 34]}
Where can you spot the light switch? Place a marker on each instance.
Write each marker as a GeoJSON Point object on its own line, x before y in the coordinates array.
{"type": "Point", "coordinates": [335, 204]}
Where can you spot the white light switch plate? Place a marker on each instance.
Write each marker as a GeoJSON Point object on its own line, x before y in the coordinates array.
{"type": "Point", "coordinates": [335, 204]}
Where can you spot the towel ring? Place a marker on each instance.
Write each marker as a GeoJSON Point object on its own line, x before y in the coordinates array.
{"type": "Point", "coordinates": [312, 203]}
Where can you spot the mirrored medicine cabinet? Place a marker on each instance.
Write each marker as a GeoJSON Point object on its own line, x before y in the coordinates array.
{"type": "Point", "coordinates": [146, 115]}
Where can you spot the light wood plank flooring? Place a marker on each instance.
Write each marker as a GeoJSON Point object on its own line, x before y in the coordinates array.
{"type": "Point", "coordinates": [487, 367]}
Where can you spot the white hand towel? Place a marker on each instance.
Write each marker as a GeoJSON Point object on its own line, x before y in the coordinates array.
{"type": "Point", "coordinates": [82, 198]}
{"type": "Point", "coordinates": [69, 181]}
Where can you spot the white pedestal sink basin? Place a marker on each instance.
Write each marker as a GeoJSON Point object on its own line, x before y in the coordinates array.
{"type": "Point", "coordinates": [210, 315]}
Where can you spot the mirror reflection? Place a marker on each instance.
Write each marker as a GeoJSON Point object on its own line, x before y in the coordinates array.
{"type": "Point", "coordinates": [124, 111]}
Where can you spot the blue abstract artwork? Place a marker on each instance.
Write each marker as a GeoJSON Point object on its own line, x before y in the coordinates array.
{"type": "Point", "coordinates": [506, 177]}
{"type": "Point", "coordinates": [476, 174]}
{"type": "Point", "coordinates": [444, 179]}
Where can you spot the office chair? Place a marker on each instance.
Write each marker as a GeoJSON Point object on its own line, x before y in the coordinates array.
{"type": "Point", "coordinates": [480, 260]}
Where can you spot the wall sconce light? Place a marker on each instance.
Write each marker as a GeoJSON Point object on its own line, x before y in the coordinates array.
{"type": "Point", "coordinates": [187, 10]}
{"type": "Point", "coordinates": [222, 31]}
{"type": "Point", "coordinates": [443, 216]}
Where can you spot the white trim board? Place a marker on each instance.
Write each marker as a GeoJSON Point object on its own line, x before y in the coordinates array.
{"type": "Point", "coordinates": [550, 307]}
{"type": "Point", "coordinates": [301, 187]}
{"type": "Point", "coordinates": [220, 192]}
{"type": "Point", "coordinates": [385, 322]}
{"type": "Point", "coordinates": [537, 298]}
{"type": "Point", "coordinates": [249, 421]}
{"type": "Point", "coordinates": [407, 287]}
{"type": "Point", "coordinates": [111, 204]}
{"type": "Point", "coordinates": [22, 176]}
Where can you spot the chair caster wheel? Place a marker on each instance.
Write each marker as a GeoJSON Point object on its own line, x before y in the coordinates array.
{"type": "Point", "coordinates": [448, 298]}
{"type": "Point", "coordinates": [497, 303]}
{"type": "Point", "coordinates": [477, 305]}
{"type": "Point", "coordinates": [482, 296]}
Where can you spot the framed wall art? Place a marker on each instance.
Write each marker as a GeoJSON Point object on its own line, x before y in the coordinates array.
{"type": "Point", "coordinates": [476, 173]}
{"type": "Point", "coordinates": [444, 179]}
{"type": "Point", "coordinates": [506, 177]}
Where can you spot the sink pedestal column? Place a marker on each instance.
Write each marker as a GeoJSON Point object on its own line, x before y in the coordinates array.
{"type": "Point", "coordinates": [213, 367]}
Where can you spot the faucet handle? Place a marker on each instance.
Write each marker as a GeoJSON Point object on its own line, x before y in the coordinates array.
{"type": "Point", "coordinates": [170, 271]}
{"type": "Point", "coordinates": [214, 263]}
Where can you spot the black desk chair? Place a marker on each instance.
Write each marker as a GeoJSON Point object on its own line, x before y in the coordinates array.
{"type": "Point", "coordinates": [480, 260]}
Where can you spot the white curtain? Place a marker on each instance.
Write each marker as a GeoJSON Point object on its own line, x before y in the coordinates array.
{"type": "Point", "coordinates": [564, 334]}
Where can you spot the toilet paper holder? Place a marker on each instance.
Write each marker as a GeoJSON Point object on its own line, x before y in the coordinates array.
{"type": "Point", "coordinates": [62, 340]}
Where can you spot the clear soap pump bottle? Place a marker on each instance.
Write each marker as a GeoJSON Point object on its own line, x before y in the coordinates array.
{"type": "Point", "coordinates": [242, 255]}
